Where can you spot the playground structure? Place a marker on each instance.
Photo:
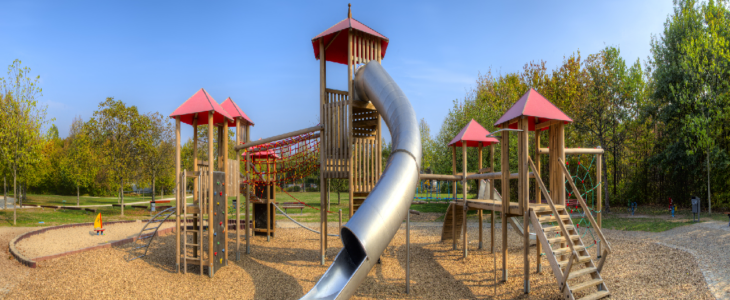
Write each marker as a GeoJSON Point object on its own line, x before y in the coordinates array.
{"type": "Point", "coordinates": [209, 210]}
{"type": "Point", "coordinates": [549, 219]}
{"type": "Point", "coordinates": [348, 145]}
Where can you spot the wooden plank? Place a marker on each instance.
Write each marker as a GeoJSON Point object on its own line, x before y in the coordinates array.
{"type": "Point", "coordinates": [538, 200]}
{"type": "Point", "coordinates": [562, 226]}
{"type": "Point", "coordinates": [480, 213]}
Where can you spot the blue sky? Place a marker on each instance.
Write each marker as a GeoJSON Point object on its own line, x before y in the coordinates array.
{"type": "Point", "coordinates": [157, 55]}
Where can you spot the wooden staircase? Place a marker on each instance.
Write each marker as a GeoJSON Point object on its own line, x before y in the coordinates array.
{"type": "Point", "coordinates": [572, 265]}
{"type": "Point", "coordinates": [192, 251]}
{"type": "Point", "coordinates": [583, 277]}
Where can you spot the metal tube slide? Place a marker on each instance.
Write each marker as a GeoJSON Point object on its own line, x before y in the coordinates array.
{"type": "Point", "coordinates": [370, 230]}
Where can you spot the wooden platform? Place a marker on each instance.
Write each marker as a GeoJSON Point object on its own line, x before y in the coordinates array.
{"type": "Point", "coordinates": [496, 205]}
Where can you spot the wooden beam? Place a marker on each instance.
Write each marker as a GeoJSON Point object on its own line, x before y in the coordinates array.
{"type": "Point", "coordinates": [279, 137]}
{"type": "Point", "coordinates": [210, 194]}
{"type": "Point", "coordinates": [575, 151]}
{"type": "Point", "coordinates": [334, 91]}
{"type": "Point", "coordinates": [542, 125]}
{"type": "Point", "coordinates": [505, 199]}
{"type": "Point", "coordinates": [332, 40]}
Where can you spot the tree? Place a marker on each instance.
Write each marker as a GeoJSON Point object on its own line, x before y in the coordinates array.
{"type": "Point", "coordinates": [78, 165]}
{"type": "Point", "coordinates": [157, 144]}
{"type": "Point", "coordinates": [117, 130]}
{"type": "Point", "coordinates": [22, 122]}
{"type": "Point", "coordinates": [427, 144]}
{"type": "Point", "coordinates": [691, 60]}
{"type": "Point", "coordinates": [340, 186]}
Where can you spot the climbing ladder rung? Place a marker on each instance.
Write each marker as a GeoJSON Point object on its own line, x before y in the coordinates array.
{"type": "Point", "coordinates": [566, 250]}
{"type": "Point", "coordinates": [553, 229]}
{"type": "Point", "coordinates": [546, 219]}
{"type": "Point", "coordinates": [584, 285]}
{"type": "Point", "coordinates": [140, 247]}
{"type": "Point", "coordinates": [145, 237]}
{"type": "Point", "coordinates": [581, 272]}
{"type": "Point", "coordinates": [581, 259]}
{"type": "Point", "coordinates": [562, 239]}
{"type": "Point", "coordinates": [151, 228]}
{"type": "Point", "coordinates": [595, 296]}
{"type": "Point", "coordinates": [194, 245]}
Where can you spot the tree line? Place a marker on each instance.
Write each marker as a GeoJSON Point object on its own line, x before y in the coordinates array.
{"type": "Point", "coordinates": [663, 123]}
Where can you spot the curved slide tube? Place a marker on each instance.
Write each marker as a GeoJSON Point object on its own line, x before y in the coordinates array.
{"type": "Point", "coordinates": [375, 223]}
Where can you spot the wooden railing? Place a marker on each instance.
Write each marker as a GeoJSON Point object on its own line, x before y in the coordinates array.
{"type": "Point", "coordinates": [589, 216]}
{"type": "Point", "coordinates": [336, 134]}
{"type": "Point", "coordinates": [563, 230]}
{"type": "Point", "coordinates": [365, 47]}
{"type": "Point", "coordinates": [366, 167]}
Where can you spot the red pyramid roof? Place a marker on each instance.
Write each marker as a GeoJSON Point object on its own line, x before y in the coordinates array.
{"type": "Point", "coordinates": [235, 112]}
{"type": "Point", "coordinates": [533, 105]}
{"type": "Point", "coordinates": [201, 102]}
{"type": "Point", "coordinates": [337, 51]}
{"type": "Point", "coordinates": [472, 134]}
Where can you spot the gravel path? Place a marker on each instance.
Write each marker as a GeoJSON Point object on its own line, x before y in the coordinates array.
{"type": "Point", "coordinates": [12, 271]}
{"type": "Point", "coordinates": [287, 267]}
{"type": "Point", "coordinates": [707, 242]}
{"type": "Point", "coordinates": [74, 238]}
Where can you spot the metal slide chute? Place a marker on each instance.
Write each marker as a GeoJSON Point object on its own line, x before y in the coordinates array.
{"type": "Point", "coordinates": [372, 227]}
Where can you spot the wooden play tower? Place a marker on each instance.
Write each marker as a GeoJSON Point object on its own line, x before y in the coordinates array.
{"type": "Point", "coordinates": [558, 238]}
{"type": "Point", "coordinates": [202, 238]}
{"type": "Point", "coordinates": [351, 135]}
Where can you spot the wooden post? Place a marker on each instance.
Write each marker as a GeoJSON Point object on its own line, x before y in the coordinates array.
{"type": "Point", "coordinates": [249, 182]}
{"type": "Point", "coordinates": [480, 213]}
{"type": "Point", "coordinates": [561, 154]}
{"type": "Point", "coordinates": [210, 195]}
{"type": "Point", "coordinates": [268, 187]}
{"type": "Point", "coordinates": [599, 189]}
{"type": "Point", "coordinates": [349, 119]}
{"type": "Point", "coordinates": [322, 198]}
{"type": "Point", "coordinates": [538, 200]}
{"type": "Point", "coordinates": [238, 192]}
{"type": "Point", "coordinates": [196, 197]}
{"type": "Point", "coordinates": [463, 190]}
{"type": "Point", "coordinates": [491, 196]}
{"type": "Point", "coordinates": [524, 195]}
{"type": "Point", "coordinates": [177, 195]}
{"type": "Point", "coordinates": [226, 185]}
{"type": "Point", "coordinates": [505, 199]}
{"type": "Point", "coordinates": [453, 189]}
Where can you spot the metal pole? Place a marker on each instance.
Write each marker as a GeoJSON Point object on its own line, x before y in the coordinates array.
{"type": "Point", "coordinates": [408, 252]}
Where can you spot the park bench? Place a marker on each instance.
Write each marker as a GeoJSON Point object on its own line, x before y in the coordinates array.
{"type": "Point", "coordinates": [293, 205]}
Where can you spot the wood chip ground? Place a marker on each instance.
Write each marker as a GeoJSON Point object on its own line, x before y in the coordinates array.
{"type": "Point", "coordinates": [287, 267]}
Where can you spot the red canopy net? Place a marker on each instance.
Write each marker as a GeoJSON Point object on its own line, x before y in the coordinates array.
{"type": "Point", "coordinates": [280, 163]}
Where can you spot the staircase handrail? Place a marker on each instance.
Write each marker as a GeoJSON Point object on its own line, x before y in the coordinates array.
{"type": "Point", "coordinates": [563, 231]}
{"type": "Point", "coordinates": [585, 207]}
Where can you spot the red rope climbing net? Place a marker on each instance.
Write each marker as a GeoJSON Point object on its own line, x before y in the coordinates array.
{"type": "Point", "coordinates": [283, 162]}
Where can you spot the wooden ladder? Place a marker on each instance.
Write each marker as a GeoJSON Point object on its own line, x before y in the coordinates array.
{"type": "Point", "coordinates": [195, 255]}
{"type": "Point", "coordinates": [569, 259]}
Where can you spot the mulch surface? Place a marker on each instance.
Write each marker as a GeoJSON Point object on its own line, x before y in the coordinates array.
{"type": "Point", "coordinates": [288, 266]}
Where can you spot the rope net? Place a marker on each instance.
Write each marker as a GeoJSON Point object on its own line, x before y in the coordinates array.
{"type": "Point", "coordinates": [280, 163]}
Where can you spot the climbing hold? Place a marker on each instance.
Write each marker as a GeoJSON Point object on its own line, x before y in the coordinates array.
{"type": "Point", "coordinates": [224, 250]}
{"type": "Point", "coordinates": [215, 213]}
{"type": "Point", "coordinates": [219, 243]}
{"type": "Point", "coordinates": [221, 260]}
{"type": "Point", "coordinates": [218, 203]}
{"type": "Point", "coordinates": [224, 184]}
{"type": "Point", "coordinates": [221, 193]}
{"type": "Point", "coordinates": [220, 223]}
{"type": "Point", "coordinates": [215, 234]}
{"type": "Point", "coordinates": [215, 253]}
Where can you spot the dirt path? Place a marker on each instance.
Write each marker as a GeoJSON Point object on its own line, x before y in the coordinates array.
{"type": "Point", "coordinates": [287, 267]}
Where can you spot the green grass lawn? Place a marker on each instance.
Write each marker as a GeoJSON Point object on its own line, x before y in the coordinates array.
{"type": "Point", "coordinates": [84, 200]}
